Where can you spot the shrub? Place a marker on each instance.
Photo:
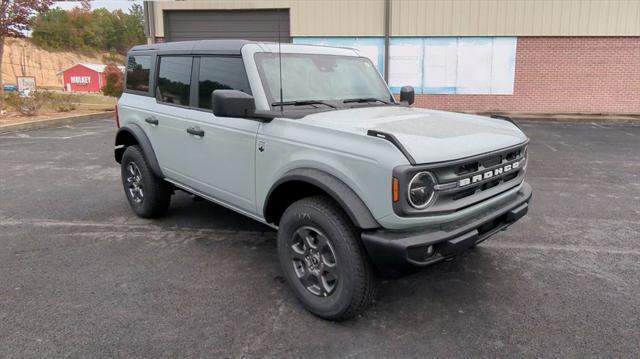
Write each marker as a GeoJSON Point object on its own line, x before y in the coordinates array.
{"type": "Point", "coordinates": [29, 105]}
{"type": "Point", "coordinates": [64, 102]}
{"type": "Point", "coordinates": [114, 81]}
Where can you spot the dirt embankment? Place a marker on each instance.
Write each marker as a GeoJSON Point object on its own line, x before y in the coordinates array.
{"type": "Point", "coordinates": [22, 58]}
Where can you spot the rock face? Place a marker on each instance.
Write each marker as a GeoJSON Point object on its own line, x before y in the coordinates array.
{"type": "Point", "coordinates": [22, 58]}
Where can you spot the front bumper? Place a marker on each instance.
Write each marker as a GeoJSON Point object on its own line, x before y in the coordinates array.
{"type": "Point", "coordinates": [401, 251]}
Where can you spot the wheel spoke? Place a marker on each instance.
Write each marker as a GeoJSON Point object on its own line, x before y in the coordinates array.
{"type": "Point", "coordinates": [308, 279]}
{"type": "Point", "coordinates": [321, 242]}
{"type": "Point", "coordinates": [296, 253]}
{"type": "Point", "coordinates": [299, 268]}
{"type": "Point", "coordinates": [331, 269]}
{"type": "Point", "coordinates": [302, 232]}
{"type": "Point", "coordinates": [327, 284]}
{"type": "Point", "coordinates": [307, 235]}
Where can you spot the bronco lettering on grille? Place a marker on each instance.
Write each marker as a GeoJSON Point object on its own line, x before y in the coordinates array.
{"type": "Point", "coordinates": [489, 174]}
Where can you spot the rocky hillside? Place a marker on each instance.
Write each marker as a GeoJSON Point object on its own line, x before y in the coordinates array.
{"type": "Point", "coordinates": [21, 58]}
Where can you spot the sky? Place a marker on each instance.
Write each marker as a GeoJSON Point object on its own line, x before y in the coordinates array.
{"type": "Point", "coordinates": [96, 4]}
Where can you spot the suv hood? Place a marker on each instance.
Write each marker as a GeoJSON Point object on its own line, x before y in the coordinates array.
{"type": "Point", "coordinates": [428, 135]}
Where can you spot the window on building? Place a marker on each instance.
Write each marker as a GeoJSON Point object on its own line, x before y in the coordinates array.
{"type": "Point", "coordinates": [174, 79]}
{"type": "Point", "coordinates": [453, 65]}
{"type": "Point", "coordinates": [138, 69]}
{"type": "Point", "coordinates": [220, 73]}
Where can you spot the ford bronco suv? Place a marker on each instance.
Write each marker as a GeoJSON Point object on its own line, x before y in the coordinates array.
{"type": "Point", "coordinates": [310, 141]}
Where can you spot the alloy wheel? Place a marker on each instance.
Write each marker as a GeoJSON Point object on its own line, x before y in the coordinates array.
{"type": "Point", "coordinates": [134, 183]}
{"type": "Point", "coordinates": [314, 261]}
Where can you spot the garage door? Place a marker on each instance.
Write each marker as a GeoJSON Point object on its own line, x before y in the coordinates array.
{"type": "Point", "coordinates": [259, 25]}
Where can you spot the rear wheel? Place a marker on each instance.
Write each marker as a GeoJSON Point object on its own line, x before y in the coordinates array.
{"type": "Point", "coordinates": [323, 259]}
{"type": "Point", "coordinates": [148, 195]}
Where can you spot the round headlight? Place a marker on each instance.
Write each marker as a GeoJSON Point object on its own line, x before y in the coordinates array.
{"type": "Point", "coordinates": [421, 190]}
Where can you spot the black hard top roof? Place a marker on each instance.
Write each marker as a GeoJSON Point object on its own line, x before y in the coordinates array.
{"type": "Point", "coordinates": [198, 46]}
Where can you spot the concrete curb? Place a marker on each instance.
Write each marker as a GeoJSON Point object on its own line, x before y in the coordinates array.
{"type": "Point", "coordinates": [24, 126]}
{"type": "Point", "coordinates": [574, 118]}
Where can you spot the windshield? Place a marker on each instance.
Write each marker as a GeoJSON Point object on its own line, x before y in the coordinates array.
{"type": "Point", "coordinates": [313, 77]}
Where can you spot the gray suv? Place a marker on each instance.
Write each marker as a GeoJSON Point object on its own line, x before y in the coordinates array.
{"type": "Point", "coordinates": [309, 140]}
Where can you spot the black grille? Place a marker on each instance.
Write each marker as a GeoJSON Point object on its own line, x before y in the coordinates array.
{"type": "Point", "coordinates": [467, 168]}
{"type": "Point", "coordinates": [513, 155]}
{"type": "Point", "coordinates": [449, 176]}
{"type": "Point", "coordinates": [491, 161]}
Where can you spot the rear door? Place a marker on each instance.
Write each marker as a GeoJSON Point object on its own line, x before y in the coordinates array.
{"type": "Point", "coordinates": [168, 116]}
{"type": "Point", "coordinates": [137, 105]}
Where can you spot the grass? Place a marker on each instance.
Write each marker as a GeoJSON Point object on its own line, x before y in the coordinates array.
{"type": "Point", "coordinates": [89, 101]}
{"type": "Point", "coordinates": [95, 102]}
{"type": "Point", "coordinates": [52, 103]}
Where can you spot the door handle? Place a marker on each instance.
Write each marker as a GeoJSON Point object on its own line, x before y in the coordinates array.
{"type": "Point", "coordinates": [152, 120]}
{"type": "Point", "coordinates": [196, 131]}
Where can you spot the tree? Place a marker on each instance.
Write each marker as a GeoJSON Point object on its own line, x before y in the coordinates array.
{"type": "Point", "coordinates": [87, 31]}
{"type": "Point", "coordinates": [52, 29]}
{"type": "Point", "coordinates": [15, 18]}
{"type": "Point", "coordinates": [114, 81]}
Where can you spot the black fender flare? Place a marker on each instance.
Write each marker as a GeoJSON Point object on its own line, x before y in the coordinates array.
{"type": "Point", "coordinates": [143, 141]}
{"type": "Point", "coordinates": [350, 202]}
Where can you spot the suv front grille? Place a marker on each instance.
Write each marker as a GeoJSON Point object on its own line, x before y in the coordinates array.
{"type": "Point", "coordinates": [460, 186]}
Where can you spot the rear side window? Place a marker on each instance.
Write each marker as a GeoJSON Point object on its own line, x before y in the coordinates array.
{"type": "Point", "coordinates": [220, 73]}
{"type": "Point", "coordinates": [174, 79]}
{"type": "Point", "coordinates": [138, 68]}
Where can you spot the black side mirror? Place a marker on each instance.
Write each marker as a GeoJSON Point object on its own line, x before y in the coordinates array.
{"type": "Point", "coordinates": [407, 95]}
{"type": "Point", "coordinates": [232, 103]}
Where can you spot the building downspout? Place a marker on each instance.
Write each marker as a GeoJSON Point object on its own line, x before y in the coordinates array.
{"type": "Point", "coordinates": [150, 25]}
{"type": "Point", "coordinates": [387, 36]}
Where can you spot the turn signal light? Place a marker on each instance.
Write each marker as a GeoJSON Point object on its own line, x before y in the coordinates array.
{"type": "Point", "coordinates": [396, 189]}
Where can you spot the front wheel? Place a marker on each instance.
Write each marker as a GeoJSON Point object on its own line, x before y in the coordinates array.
{"type": "Point", "coordinates": [323, 259]}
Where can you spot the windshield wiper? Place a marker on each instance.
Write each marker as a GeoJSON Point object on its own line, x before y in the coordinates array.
{"type": "Point", "coordinates": [302, 103]}
{"type": "Point", "coordinates": [366, 99]}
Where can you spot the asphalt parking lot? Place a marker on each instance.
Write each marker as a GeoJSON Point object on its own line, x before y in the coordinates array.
{"type": "Point", "coordinates": [82, 276]}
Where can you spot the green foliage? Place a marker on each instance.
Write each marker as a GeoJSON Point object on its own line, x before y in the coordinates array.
{"type": "Point", "coordinates": [114, 81]}
{"type": "Point", "coordinates": [82, 30]}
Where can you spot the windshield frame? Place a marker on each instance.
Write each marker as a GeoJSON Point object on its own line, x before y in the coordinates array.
{"type": "Point", "coordinates": [336, 102]}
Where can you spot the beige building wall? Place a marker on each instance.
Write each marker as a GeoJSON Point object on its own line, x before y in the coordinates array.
{"type": "Point", "coordinates": [439, 17]}
{"type": "Point", "coordinates": [516, 17]}
{"type": "Point", "coordinates": [308, 18]}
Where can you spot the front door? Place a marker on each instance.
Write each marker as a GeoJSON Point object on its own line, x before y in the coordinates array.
{"type": "Point", "coordinates": [223, 151]}
{"type": "Point", "coordinates": [216, 155]}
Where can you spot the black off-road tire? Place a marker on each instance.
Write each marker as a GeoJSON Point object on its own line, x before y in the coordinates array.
{"type": "Point", "coordinates": [356, 284]}
{"type": "Point", "coordinates": [156, 191]}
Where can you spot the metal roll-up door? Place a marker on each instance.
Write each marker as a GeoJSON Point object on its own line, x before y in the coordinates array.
{"type": "Point", "coordinates": [258, 25]}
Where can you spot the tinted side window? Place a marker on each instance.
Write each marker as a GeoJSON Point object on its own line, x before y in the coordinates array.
{"type": "Point", "coordinates": [138, 68]}
{"type": "Point", "coordinates": [220, 73]}
{"type": "Point", "coordinates": [174, 79]}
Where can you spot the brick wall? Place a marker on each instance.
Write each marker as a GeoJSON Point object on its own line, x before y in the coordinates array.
{"type": "Point", "coordinates": [562, 75]}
